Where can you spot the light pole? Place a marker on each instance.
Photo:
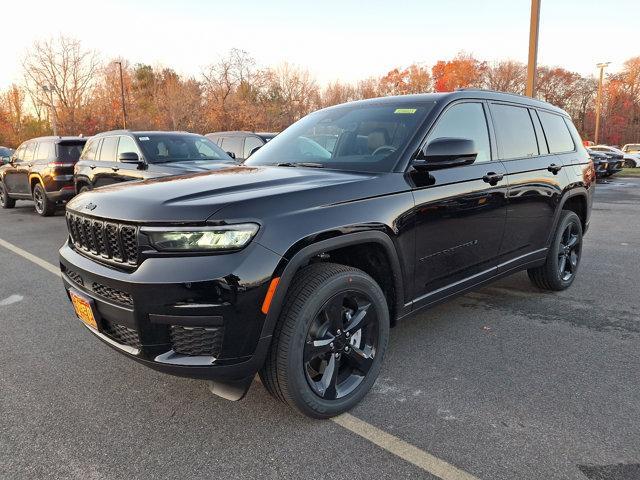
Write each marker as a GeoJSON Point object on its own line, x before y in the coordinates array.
{"type": "Point", "coordinates": [601, 66]}
{"type": "Point", "coordinates": [534, 26]}
{"type": "Point", "coordinates": [48, 90]}
{"type": "Point", "coordinates": [124, 109]}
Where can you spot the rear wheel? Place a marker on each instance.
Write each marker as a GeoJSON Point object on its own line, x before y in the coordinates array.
{"type": "Point", "coordinates": [563, 258]}
{"type": "Point", "coordinates": [629, 163]}
{"type": "Point", "coordinates": [43, 205]}
{"type": "Point", "coordinates": [5, 200]}
{"type": "Point", "coordinates": [329, 342]}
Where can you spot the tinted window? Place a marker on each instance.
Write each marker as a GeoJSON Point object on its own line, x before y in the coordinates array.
{"type": "Point", "coordinates": [370, 137]}
{"type": "Point", "coordinates": [108, 150]}
{"type": "Point", "coordinates": [45, 151]}
{"type": "Point", "coordinates": [250, 143]}
{"type": "Point", "coordinates": [29, 151]}
{"type": "Point", "coordinates": [233, 145]}
{"type": "Point", "coordinates": [542, 142]}
{"type": "Point", "coordinates": [89, 152]}
{"type": "Point", "coordinates": [465, 120]}
{"type": "Point", "coordinates": [127, 145]}
{"type": "Point", "coordinates": [558, 136]}
{"type": "Point", "coordinates": [177, 147]}
{"type": "Point", "coordinates": [515, 131]}
{"type": "Point", "coordinates": [70, 152]}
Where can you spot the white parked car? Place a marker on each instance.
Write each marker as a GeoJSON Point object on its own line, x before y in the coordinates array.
{"type": "Point", "coordinates": [631, 158]}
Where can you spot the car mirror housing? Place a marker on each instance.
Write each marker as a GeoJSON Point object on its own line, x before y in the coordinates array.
{"type": "Point", "coordinates": [129, 157]}
{"type": "Point", "coordinates": [231, 154]}
{"type": "Point", "coordinates": [446, 153]}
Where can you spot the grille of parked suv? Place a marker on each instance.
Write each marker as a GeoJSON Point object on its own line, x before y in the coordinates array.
{"type": "Point", "coordinates": [121, 334]}
{"type": "Point", "coordinates": [74, 276]}
{"type": "Point", "coordinates": [112, 294]}
{"type": "Point", "coordinates": [107, 240]}
{"type": "Point", "coordinates": [196, 340]}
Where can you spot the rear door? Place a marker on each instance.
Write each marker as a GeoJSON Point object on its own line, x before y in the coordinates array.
{"type": "Point", "coordinates": [23, 168]}
{"type": "Point", "coordinates": [10, 177]}
{"type": "Point", "coordinates": [460, 211]}
{"type": "Point", "coordinates": [536, 180]}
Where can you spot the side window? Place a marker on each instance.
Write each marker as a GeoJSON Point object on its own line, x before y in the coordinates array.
{"type": "Point", "coordinates": [465, 120]}
{"type": "Point", "coordinates": [108, 150]}
{"type": "Point", "coordinates": [234, 145]}
{"type": "Point", "coordinates": [45, 151]}
{"type": "Point", "coordinates": [89, 152]}
{"type": "Point", "coordinates": [250, 143]}
{"type": "Point", "coordinates": [557, 133]}
{"type": "Point", "coordinates": [19, 155]}
{"type": "Point", "coordinates": [127, 145]}
{"type": "Point", "coordinates": [29, 151]}
{"type": "Point", "coordinates": [515, 131]}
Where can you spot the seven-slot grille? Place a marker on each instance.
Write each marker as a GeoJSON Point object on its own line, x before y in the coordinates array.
{"type": "Point", "coordinates": [108, 240]}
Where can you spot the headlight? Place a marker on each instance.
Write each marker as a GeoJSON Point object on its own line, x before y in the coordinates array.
{"type": "Point", "coordinates": [226, 237]}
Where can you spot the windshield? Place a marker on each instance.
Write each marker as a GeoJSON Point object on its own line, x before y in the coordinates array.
{"type": "Point", "coordinates": [70, 152]}
{"type": "Point", "coordinates": [175, 147]}
{"type": "Point", "coordinates": [352, 137]}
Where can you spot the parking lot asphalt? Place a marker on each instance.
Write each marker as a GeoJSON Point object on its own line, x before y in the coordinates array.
{"type": "Point", "coordinates": [506, 382]}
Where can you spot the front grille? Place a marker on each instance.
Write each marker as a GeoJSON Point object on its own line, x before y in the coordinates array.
{"type": "Point", "coordinates": [196, 340]}
{"type": "Point", "coordinates": [121, 334]}
{"type": "Point", "coordinates": [112, 294]}
{"type": "Point", "coordinates": [111, 241]}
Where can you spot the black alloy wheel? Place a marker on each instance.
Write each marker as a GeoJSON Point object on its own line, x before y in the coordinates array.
{"type": "Point", "coordinates": [569, 252]}
{"type": "Point", "coordinates": [341, 345]}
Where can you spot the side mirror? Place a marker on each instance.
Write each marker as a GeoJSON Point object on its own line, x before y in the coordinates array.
{"type": "Point", "coordinates": [129, 157]}
{"type": "Point", "coordinates": [232, 155]}
{"type": "Point", "coordinates": [446, 153]}
{"type": "Point", "coordinates": [254, 150]}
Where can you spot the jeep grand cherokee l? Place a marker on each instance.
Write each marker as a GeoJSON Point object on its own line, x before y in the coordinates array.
{"type": "Point", "coordinates": [122, 155]}
{"type": "Point", "coordinates": [41, 169]}
{"type": "Point", "coordinates": [295, 264]}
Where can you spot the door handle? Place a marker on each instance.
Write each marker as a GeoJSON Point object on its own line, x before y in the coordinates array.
{"type": "Point", "coordinates": [115, 169]}
{"type": "Point", "coordinates": [92, 167]}
{"type": "Point", "coordinates": [492, 178]}
{"type": "Point", "coordinates": [553, 168]}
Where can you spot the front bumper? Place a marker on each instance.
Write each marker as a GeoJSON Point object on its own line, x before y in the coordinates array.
{"type": "Point", "coordinates": [193, 316]}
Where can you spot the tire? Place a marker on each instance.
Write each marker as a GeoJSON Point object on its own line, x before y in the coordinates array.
{"type": "Point", "coordinates": [43, 205]}
{"type": "Point", "coordinates": [294, 374]}
{"type": "Point", "coordinates": [629, 164]}
{"type": "Point", "coordinates": [563, 259]}
{"type": "Point", "coordinates": [5, 200]}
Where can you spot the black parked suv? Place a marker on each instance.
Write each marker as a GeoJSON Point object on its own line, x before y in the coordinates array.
{"type": "Point", "coordinates": [122, 155]}
{"type": "Point", "coordinates": [295, 265]}
{"type": "Point", "coordinates": [240, 145]}
{"type": "Point", "coordinates": [600, 163]}
{"type": "Point", "coordinates": [41, 170]}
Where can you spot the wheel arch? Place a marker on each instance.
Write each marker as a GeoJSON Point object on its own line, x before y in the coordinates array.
{"type": "Point", "coordinates": [576, 200]}
{"type": "Point", "coordinates": [34, 178]}
{"type": "Point", "coordinates": [318, 250]}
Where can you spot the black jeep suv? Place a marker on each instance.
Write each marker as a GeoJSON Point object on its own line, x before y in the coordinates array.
{"type": "Point", "coordinates": [296, 263]}
{"type": "Point", "coordinates": [41, 170]}
{"type": "Point", "coordinates": [122, 155]}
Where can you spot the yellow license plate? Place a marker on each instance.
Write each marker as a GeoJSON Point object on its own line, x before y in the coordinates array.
{"type": "Point", "coordinates": [83, 310]}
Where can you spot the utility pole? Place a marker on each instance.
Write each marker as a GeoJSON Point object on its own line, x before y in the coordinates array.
{"type": "Point", "coordinates": [124, 109]}
{"type": "Point", "coordinates": [534, 27]}
{"type": "Point", "coordinates": [48, 90]}
{"type": "Point", "coordinates": [601, 66]}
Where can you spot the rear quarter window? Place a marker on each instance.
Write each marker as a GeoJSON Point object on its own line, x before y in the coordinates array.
{"type": "Point", "coordinates": [557, 133]}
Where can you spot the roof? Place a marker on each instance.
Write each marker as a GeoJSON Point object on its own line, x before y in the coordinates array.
{"type": "Point", "coordinates": [240, 132]}
{"type": "Point", "coordinates": [475, 93]}
{"type": "Point", "coordinates": [59, 138]}
{"type": "Point", "coordinates": [142, 132]}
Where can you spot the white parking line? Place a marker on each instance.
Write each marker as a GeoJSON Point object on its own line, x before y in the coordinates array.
{"type": "Point", "coordinates": [382, 439]}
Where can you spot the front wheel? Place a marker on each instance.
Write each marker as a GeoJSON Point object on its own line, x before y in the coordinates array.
{"type": "Point", "coordinates": [628, 163]}
{"type": "Point", "coordinates": [5, 200]}
{"type": "Point", "coordinates": [329, 342]}
{"type": "Point", "coordinates": [560, 269]}
{"type": "Point", "coordinates": [44, 207]}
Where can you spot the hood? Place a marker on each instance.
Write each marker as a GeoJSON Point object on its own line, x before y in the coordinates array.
{"type": "Point", "coordinates": [196, 197]}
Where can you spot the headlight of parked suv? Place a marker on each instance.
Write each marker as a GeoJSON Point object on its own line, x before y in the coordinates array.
{"type": "Point", "coordinates": [226, 237]}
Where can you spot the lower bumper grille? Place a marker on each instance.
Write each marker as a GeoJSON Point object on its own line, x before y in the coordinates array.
{"type": "Point", "coordinates": [196, 341]}
{"type": "Point", "coordinates": [121, 334]}
{"type": "Point", "coordinates": [112, 294]}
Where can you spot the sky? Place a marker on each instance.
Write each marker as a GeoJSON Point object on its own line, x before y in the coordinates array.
{"type": "Point", "coordinates": [334, 39]}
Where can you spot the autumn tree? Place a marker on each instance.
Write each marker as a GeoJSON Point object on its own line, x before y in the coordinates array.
{"type": "Point", "coordinates": [506, 76]}
{"type": "Point", "coordinates": [463, 71]}
{"type": "Point", "coordinates": [61, 74]}
{"type": "Point", "coordinates": [413, 79]}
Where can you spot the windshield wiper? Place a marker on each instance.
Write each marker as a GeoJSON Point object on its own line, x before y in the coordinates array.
{"type": "Point", "coordinates": [300, 164]}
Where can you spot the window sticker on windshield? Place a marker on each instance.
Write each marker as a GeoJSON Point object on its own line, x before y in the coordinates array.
{"type": "Point", "coordinates": [142, 139]}
{"type": "Point", "coordinates": [405, 110]}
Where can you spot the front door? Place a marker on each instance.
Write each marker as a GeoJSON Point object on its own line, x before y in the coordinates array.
{"type": "Point", "coordinates": [460, 211]}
